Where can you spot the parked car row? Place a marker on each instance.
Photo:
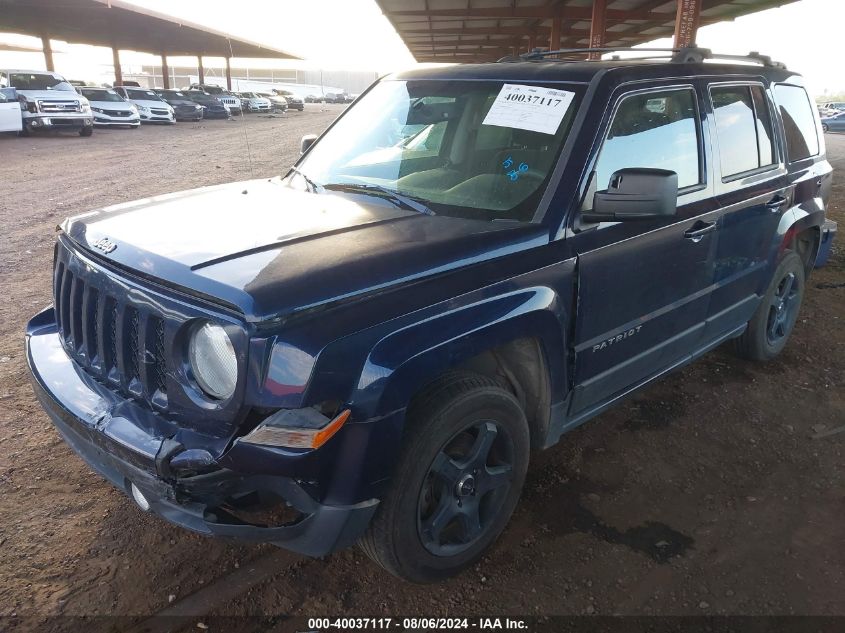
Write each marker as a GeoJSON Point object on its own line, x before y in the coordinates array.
{"type": "Point", "coordinates": [31, 100]}
{"type": "Point", "coordinates": [331, 97]}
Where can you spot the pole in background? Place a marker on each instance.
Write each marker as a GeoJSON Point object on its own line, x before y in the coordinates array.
{"type": "Point", "coordinates": [165, 72]}
{"type": "Point", "coordinates": [48, 53]}
{"type": "Point", "coordinates": [228, 74]}
{"type": "Point", "coordinates": [200, 69]}
{"type": "Point", "coordinates": [598, 27]}
{"type": "Point", "coordinates": [686, 22]}
{"type": "Point", "coordinates": [118, 71]}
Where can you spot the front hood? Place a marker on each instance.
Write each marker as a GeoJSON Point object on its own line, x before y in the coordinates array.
{"type": "Point", "coordinates": [158, 105]}
{"type": "Point", "coordinates": [121, 106]}
{"type": "Point", "coordinates": [51, 95]}
{"type": "Point", "coordinates": [268, 250]}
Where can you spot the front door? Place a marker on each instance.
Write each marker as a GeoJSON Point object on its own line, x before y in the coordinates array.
{"type": "Point", "coordinates": [10, 111]}
{"type": "Point", "coordinates": [643, 286]}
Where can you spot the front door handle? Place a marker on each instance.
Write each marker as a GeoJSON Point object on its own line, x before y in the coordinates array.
{"type": "Point", "coordinates": [699, 230]}
{"type": "Point", "coordinates": [776, 204]}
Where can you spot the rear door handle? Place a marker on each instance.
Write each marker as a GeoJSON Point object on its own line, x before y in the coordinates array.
{"type": "Point", "coordinates": [699, 230]}
{"type": "Point", "coordinates": [776, 204]}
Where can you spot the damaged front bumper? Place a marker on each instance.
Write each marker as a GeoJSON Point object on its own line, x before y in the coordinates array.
{"type": "Point", "coordinates": [184, 485]}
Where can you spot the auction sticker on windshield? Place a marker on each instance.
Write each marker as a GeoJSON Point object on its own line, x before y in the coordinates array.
{"type": "Point", "coordinates": [532, 108]}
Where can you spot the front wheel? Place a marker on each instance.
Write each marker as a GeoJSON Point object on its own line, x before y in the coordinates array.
{"type": "Point", "coordinates": [459, 478]}
{"type": "Point", "coordinates": [825, 128]}
{"type": "Point", "coordinates": [772, 323]}
{"type": "Point", "coordinates": [86, 131]}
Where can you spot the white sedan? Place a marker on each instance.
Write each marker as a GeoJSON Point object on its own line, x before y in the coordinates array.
{"type": "Point", "coordinates": [110, 109]}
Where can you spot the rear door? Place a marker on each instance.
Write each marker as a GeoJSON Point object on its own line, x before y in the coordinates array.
{"type": "Point", "coordinates": [10, 111]}
{"type": "Point", "coordinates": [643, 286]}
{"type": "Point", "coordinates": [752, 190]}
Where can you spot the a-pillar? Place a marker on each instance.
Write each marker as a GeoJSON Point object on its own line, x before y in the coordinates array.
{"type": "Point", "coordinates": [598, 27]}
{"type": "Point", "coordinates": [686, 22]}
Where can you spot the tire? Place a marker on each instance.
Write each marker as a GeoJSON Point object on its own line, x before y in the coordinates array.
{"type": "Point", "coordinates": [425, 528]}
{"type": "Point", "coordinates": [24, 131]}
{"type": "Point", "coordinates": [86, 131]}
{"type": "Point", "coordinates": [769, 329]}
{"type": "Point", "coordinates": [825, 128]}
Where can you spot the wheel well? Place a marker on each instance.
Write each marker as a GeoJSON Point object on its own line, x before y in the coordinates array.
{"type": "Point", "coordinates": [520, 367]}
{"type": "Point", "coordinates": [806, 244]}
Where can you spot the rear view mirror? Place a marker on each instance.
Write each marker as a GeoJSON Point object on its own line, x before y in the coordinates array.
{"type": "Point", "coordinates": [306, 142]}
{"type": "Point", "coordinates": [636, 194]}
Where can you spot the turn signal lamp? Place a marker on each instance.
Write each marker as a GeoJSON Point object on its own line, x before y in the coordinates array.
{"type": "Point", "coordinates": [297, 428]}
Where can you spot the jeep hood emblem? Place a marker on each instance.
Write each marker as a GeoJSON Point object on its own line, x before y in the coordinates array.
{"type": "Point", "coordinates": [105, 245]}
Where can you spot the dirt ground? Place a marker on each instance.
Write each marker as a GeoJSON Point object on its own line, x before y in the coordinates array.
{"type": "Point", "coordinates": [706, 494]}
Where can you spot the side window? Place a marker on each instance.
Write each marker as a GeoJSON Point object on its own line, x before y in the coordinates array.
{"type": "Point", "coordinates": [653, 129]}
{"type": "Point", "coordinates": [744, 127]}
{"type": "Point", "coordinates": [799, 123]}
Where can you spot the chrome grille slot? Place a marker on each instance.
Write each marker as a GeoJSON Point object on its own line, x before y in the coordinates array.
{"type": "Point", "coordinates": [59, 106]}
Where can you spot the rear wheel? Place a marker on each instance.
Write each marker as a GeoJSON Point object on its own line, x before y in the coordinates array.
{"type": "Point", "coordinates": [458, 481]}
{"type": "Point", "coordinates": [769, 329]}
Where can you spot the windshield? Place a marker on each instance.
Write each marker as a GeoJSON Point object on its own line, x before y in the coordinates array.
{"type": "Point", "coordinates": [100, 95]}
{"type": "Point", "coordinates": [173, 95]}
{"type": "Point", "coordinates": [248, 95]}
{"type": "Point", "coordinates": [142, 95]}
{"type": "Point", "coordinates": [470, 149]}
{"type": "Point", "coordinates": [214, 90]}
{"type": "Point", "coordinates": [38, 81]}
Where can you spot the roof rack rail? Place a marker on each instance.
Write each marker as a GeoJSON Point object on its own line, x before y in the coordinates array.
{"type": "Point", "coordinates": [686, 55]}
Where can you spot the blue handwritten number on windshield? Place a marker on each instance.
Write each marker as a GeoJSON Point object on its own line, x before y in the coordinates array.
{"type": "Point", "coordinates": [514, 173]}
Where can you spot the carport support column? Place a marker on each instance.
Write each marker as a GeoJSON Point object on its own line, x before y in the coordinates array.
{"type": "Point", "coordinates": [48, 53]}
{"type": "Point", "coordinates": [228, 74]}
{"type": "Point", "coordinates": [598, 27]}
{"type": "Point", "coordinates": [165, 72]}
{"type": "Point", "coordinates": [118, 71]}
{"type": "Point", "coordinates": [554, 38]}
{"type": "Point", "coordinates": [686, 22]}
{"type": "Point", "coordinates": [200, 69]}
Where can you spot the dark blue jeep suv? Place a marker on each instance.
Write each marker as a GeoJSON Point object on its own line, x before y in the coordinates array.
{"type": "Point", "coordinates": [468, 263]}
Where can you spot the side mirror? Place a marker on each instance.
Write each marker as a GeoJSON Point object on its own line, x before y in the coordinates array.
{"type": "Point", "coordinates": [306, 142]}
{"type": "Point", "coordinates": [637, 193]}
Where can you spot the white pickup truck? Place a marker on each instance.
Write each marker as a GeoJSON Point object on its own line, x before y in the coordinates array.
{"type": "Point", "coordinates": [47, 101]}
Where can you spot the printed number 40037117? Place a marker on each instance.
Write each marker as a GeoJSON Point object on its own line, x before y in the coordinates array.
{"type": "Point", "coordinates": [522, 97]}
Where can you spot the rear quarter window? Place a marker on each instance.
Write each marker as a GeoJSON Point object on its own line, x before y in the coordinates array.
{"type": "Point", "coordinates": [799, 122]}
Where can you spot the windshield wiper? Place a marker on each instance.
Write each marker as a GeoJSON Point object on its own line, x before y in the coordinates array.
{"type": "Point", "coordinates": [404, 202]}
{"type": "Point", "coordinates": [315, 188]}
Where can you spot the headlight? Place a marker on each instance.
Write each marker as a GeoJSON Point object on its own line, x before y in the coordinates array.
{"type": "Point", "coordinates": [86, 107]}
{"type": "Point", "coordinates": [213, 361]}
{"type": "Point", "coordinates": [143, 109]}
{"type": "Point", "coordinates": [100, 110]}
{"type": "Point", "coordinates": [133, 109]}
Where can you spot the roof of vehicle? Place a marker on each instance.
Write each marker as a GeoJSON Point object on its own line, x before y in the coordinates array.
{"type": "Point", "coordinates": [34, 72]}
{"type": "Point", "coordinates": [585, 71]}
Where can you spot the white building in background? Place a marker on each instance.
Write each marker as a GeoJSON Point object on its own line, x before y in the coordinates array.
{"type": "Point", "coordinates": [302, 82]}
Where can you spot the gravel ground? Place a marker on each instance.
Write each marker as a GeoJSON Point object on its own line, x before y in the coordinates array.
{"type": "Point", "coordinates": [706, 494]}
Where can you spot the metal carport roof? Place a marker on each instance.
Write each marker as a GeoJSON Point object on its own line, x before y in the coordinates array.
{"type": "Point", "coordinates": [483, 30]}
{"type": "Point", "coordinates": [120, 25]}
